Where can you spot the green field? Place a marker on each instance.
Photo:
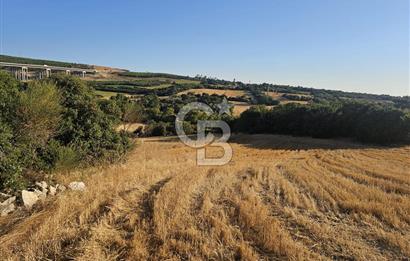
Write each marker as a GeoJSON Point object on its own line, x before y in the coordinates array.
{"type": "Point", "coordinates": [106, 94]}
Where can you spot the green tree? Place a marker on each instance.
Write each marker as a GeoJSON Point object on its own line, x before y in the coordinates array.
{"type": "Point", "coordinates": [132, 114]}
{"type": "Point", "coordinates": [38, 113]}
{"type": "Point", "coordinates": [84, 126]}
{"type": "Point", "coordinates": [9, 95]}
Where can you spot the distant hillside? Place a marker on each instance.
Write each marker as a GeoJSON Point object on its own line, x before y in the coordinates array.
{"type": "Point", "coordinates": [114, 80]}
{"type": "Point", "coordinates": [15, 59]}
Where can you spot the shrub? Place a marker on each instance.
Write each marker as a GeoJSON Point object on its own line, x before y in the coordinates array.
{"type": "Point", "coordinates": [9, 95]}
{"type": "Point", "coordinates": [57, 157]}
{"type": "Point", "coordinates": [38, 113]}
{"type": "Point", "coordinates": [11, 168]}
{"type": "Point", "coordinates": [85, 127]}
{"type": "Point", "coordinates": [52, 124]}
{"type": "Point", "coordinates": [156, 129]}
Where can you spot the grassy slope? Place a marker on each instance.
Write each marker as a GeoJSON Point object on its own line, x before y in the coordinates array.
{"type": "Point", "coordinates": [279, 198]}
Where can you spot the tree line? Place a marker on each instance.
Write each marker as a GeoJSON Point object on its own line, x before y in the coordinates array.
{"type": "Point", "coordinates": [362, 121]}
{"type": "Point", "coordinates": [14, 59]}
{"type": "Point", "coordinates": [138, 89]}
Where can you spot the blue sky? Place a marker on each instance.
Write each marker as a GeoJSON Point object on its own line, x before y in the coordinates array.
{"type": "Point", "coordinates": [352, 45]}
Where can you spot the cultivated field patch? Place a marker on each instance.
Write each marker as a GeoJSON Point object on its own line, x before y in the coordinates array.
{"type": "Point", "coordinates": [279, 198]}
{"type": "Point", "coordinates": [227, 93]}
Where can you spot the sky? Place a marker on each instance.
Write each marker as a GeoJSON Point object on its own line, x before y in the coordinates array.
{"type": "Point", "coordinates": [350, 45]}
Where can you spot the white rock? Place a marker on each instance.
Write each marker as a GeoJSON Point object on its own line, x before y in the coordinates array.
{"type": "Point", "coordinates": [4, 195]}
{"type": "Point", "coordinates": [7, 206]}
{"type": "Point", "coordinates": [61, 188]}
{"type": "Point", "coordinates": [75, 185]}
{"type": "Point", "coordinates": [41, 194]}
{"type": "Point", "coordinates": [53, 190]}
{"type": "Point", "coordinates": [8, 202]}
{"type": "Point", "coordinates": [7, 210]}
{"type": "Point", "coordinates": [43, 185]}
{"type": "Point", "coordinates": [29, 198]}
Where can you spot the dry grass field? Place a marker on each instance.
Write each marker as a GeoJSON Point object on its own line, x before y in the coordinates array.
{"type": "Point", "coordinates": [130, 127]}
{"type": "Point", "coordinates": [275, 95]}
{"type": "Point", "coordinates": [280, 198]}
{"type": "Point", "coordinates": [283, 100]}
{"type": "Point", "coordinates": [239, 107]}
{"type": "Point", "coordinates": [107, 95]}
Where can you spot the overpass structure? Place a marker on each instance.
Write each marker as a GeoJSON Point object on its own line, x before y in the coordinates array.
{"type": "Point", "coordinates": [25, 72]}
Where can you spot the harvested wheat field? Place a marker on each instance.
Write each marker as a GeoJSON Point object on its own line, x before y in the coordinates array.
{"type": "Point", "coordinates": [280, 198]}
{"type": "Point", "coordinates": [239, 107]}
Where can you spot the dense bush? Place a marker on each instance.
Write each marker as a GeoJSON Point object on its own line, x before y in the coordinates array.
{"type": "Point", "coordinates": [158, 129]}
{"type": "Point", "coordinates": [259, 97]}
{"type": "Point", "coordinates": [160, 114]}
{"type": "Point", "coordinates": [85, 126]}
{"type": "Point", "coordinates": [51, 124]}
{"type": "Point", "coordinates": [366, 122]}
{"type": "Point", "coordinates": [296, 97]}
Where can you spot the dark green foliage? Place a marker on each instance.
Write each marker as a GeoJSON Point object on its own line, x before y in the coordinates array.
{"type": "Point", "coordinates": [11, 168]}
{"type": "Point", "coordinates": [14, 59]}
{"type": "Point", "coordinates": [256, 90]}
{"type": "Point", "coordinates": [53, 124]}
{"type": "Point", "coordinates": [365, 122]}
{"type": "Point", "coordinates": [207, 81]}
{"type": "Point", "coordinates": [258, 97]}
{"type": "Point", "coordinates": [114, 107]}
{"type": "Point", "coordinates": [10, 155]}
{"type": "Point", "coordinates": [324, 96]}
{"type": "Point", "coordinates": [128, 85]}
{"type": "Point", "coordinates": [160, 113]}
{"type": "Point", "coordinates": [296, 97]}
{"type": "Point", "coordinates": [402, 102]}
{"type": "Point", "coordinates": [242, 98]}
{"type": "Point", "coordinates": [38, 113]}
{"type": "Point", "coordinates": [158, 129]}
{"type": "Point", "coordinates": [136, 89]}
{"type": "Point", "coordinates": [9, 91]}
{"type": "Point", "coordinates": [55, 156]}
{"type": "Point", "coordinates": [85, 126]}
{"type": "Point", "coordinates": [151, 75]}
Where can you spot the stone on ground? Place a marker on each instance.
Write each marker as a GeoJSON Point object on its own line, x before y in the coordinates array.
{"type": "Point", "coordinates": [75, 185]}
{"type": "Point", "coordinates": [7, 206]}
{"type": "Point", "coordinates": [29, 198]}
{"type": "Point", "coordinates": [61, 188]}
{"type": "Point", "coordinates": [43, 185]}
{"type": "Point", "coordinates": [41, 194]}
{"type": "Point", "coordinates": [7, 210]}
{"type": "Point", "coordinates": [53, 190]}
{"type": "Point", "coordinates": [4, 195]}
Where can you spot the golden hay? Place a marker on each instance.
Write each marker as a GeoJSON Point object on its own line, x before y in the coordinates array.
{"type": "Point", "coordinates": [279, 198]}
